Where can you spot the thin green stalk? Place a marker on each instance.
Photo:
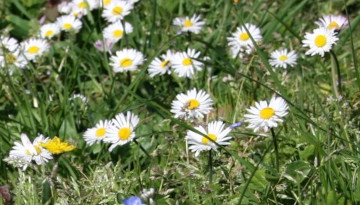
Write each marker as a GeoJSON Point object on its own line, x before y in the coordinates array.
{"type": "Point", "coordinates": [253, 174]}
{"type": "Point", "coordinates": [210, 167]}
{"type": "Point", "coordinates": [142, 148]}
{"type": "Point", "coordinates": [335, 75]}
{"type": "Point", "coordinates": [276, 148]}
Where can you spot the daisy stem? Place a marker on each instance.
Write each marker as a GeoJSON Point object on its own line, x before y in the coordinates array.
{"type": "Point", "coordinates": [210, 166]}
{"type": "Point", "coordinates": [142, 148]}
{"type": "Point", "coordinates": [336, 80]}
{"type": "Point", "coordinates": [276, 148]}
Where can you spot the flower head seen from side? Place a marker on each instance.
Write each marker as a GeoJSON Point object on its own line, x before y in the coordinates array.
{"type": "Point", "coordinates": [116, 31]}
{"type": "Point", "coordinates": [266, 115]}
{"type": "Point", "coordinates": [56, 146]}
{"type": "Point", "coordinates": [97, 133]}
{"type": "Point", "coordinates": [283, 58]}
{"type": "Point", "coordinates": [194, 104]}
{"type": "Point", "coordinates": [104, 45]}
{"type": "Point", "coordinates": [126, 60]}
{"type": "Point", "coordinates": [187, 24]}
{"type": "Point", "coordinates": [33, 48]}
{"type": "Point", "coordinates": [215, 130]}
{"type": "Point", "coordinates": [27, 151]}
{"type": "Point", "coordinates": [241, 38]}
{"type": "Point", "coordinates": [69, 23]}
{"type": "Point", "coordinates": [49, 30]}
{"type": "Point", "coordinates": [117, 10]}
{"type": "Point", "coordinates": [123, 129]}
{"type": "Point", "coordinates": [185, 63]}
{"type": "Point", "coordinates": [333, 22]}
{"type": "Point", "coordinates": [161, 66]}
{"type": "Point", "coordinates": [319, 41]}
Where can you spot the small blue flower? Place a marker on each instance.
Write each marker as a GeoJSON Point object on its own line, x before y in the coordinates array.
{"type": "Point", "coordinates": [235, 125]}
{"type": "Point", "coordinates": [134, 200]}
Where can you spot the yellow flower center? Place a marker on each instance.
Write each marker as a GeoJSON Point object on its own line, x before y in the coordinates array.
{"type": "Point", "coordinates": [106, 2]}
{"type": "Point", "coordinates": [164, 64]}
{"type": "Point", "coordinates": [28, 152]}
{"type": "Point", "coordinates": [82, 5]}
{"type": "Point", "coordinates": [67, 26]}
{"type": "Point", "coordinates": [283, 57]}
{"type": "Point", "coordinates": [320, 41]}
{"type": "Point", "coordinates": [117, 10]}
{"type": "Point", "coordinates": [187, 23]}
{"type": "Point", "coordinates": [267, 113]}
{"type": "Point", "coordinates": [187, 61]}
{"type": "Point", "coordinates": [10, 58]}
{"type": "Point", "coordinates": [244, 36]}
{"type": "Point", "coordinates": [206, 140]}
{"type": "Point", "coordinates": [193, 103]}
{"type": "Point", "coordinates": [126, 62]}
{"type": "Point", "coordinates": [124, 133]}
{"type": "Point", "coordinates": [333, 25]}
{"type": "Point", "coordinates": [117, 33]}
{"type": "Point", "coordinates": [100, 132]}
{"type": "Point", "coordinates": [38, 149]}
{"type": "Point", "coordinates": [33, 49]}
{"type": "Point", "coordinates": [49, 33]}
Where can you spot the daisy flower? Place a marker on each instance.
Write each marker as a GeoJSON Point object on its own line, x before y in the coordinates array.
{"type": "Point", "coordinates": [191, 105]}
{"type": "Point", "coordinates": [86, 4]}
{"type": "Point", "coordinates": [68, 23]}
{"type": "Point", "coordinates": [56, 146]}
{"type": "Point", "coordinates": [241, 38]}
{"type": "Point", "coordinates": [186, 24]}
{"type": "Point", "coordinates": [266, 115]}
{"type": "Point", "coordinates": [184, 63]}
{"type": "Point", "coordinates": [105, 3]}
{"type": "Point", "coordinates": [65, 7]}
{"type": "Point", "coordinates": [28, 151]}
{"type": "Point", "coordinates": [8, 44]}
{"type": "Point", "coordinates": [126, 60]}
{"type": "Point", "coordinates": [117, 10]}
{"type": "Point", "coordinates": [283, 58]}
{"type": "Point", "coordinates": [160, 66]}
{"type": "Point", "coordinates": [320, 41]}
{"type": "Point", "coordinates": [122, 130]}
{"type": "Point", "coordinates": [333, 22]}
{"type": "Point", "coordinates": [34, 47]}
{"type": "Point", "coordinates": [44, 154]}
{"type": "Point", "coordinates": [13, 58]}
{"type": "Point", "coordinates": [215, 130]}
{"type": "Point", "coordinates": [116, 30]}
{"type": "Point", "coordinates": [97, 133]}
{"type": "Point", "coordinates": [49, 30]}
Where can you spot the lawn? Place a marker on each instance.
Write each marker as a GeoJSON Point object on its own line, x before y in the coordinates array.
{"type": "Point", "coordinates": [179, 102]}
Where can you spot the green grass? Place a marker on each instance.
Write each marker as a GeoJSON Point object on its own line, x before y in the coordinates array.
{"type": "Point", "coordinates": [318, 142]}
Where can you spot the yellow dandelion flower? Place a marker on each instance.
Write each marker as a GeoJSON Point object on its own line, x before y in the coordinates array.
{"type": "Point", "coordinates": [56, 146]}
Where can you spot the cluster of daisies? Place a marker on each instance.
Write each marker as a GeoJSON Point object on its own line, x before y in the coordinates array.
{"type": "Point", "coordinates": [193, 105]}
{"type": "Point", "coordinates": [184, 64]}
{"type": "Point", "coordinates": [40, 151]}
{"type": "Point", "coordinates": [17, 55]}
{"type": "Point", "coordinates": [321, 40]}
